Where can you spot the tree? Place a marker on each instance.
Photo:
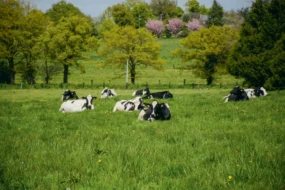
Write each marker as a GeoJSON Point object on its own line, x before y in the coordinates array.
{"type": "Point", "coordinates": [63, 9]}
{"type": "Point", "coordinates": [122, 15]}
{"type": "Point", "coordinates": [163, 9]}
{"type": "Point", "coordinates": [155, 26]}
{"type": "Point", "coordinates": [106, 25]}
{"type": "Point", "coordinates": [138, 46]}
{"type": "Point", "coordinates": [216, 14]}
{"type": "Point", "coordinates": [206, 50]}
{"type": "Point", "coordinates": [70, 39]}
{"type": "Point", "coordinates": [257, 57]}
{"type": "Point", "coordinates": [141, 13]}
{"type": "Point", "coordinates": [35, 23]}
{"type": "Point", "coordinates": [174, 25]}
{"type": "Point", "coordinates": [193, 6]}
{"type": "Point", "coordinates": [194, 25]}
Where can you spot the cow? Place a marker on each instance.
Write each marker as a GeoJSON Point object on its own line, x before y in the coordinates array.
{"type": "Point", "coordinates": [237, 94]}
{"type": "Point", "coordinates": [160, 95]}
{"type": "Point", "coordinates": [155, 111]}
{"type": "Point", "coordinates": [129, 105]}
{"type": "Point", "coordinates": [67, 94]}
{"type": "Point", "coordinates": [141, 92]}
{"type": "Point", "coordinates": [108, 93]}
{"type": "Point", "coordinates": [257, 92]}
{"type": "Point", "coordinates": [78, 105]}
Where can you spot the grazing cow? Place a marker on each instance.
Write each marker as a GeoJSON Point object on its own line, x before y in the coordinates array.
{"type": "Point", "coordinates": [108, 93]}
{"type": "Point", "coordinates": [78, 105]}
{"type": "Point", "coordinates": [67, 94]}
{"type": "Point", "coordinates": [237, 94]}
{"type": "Point", "coordinates": [253, 93]}
{"type": "Point", "coordinates": [129, 105]}
{"type": "Point", "coordinates": [141, 92]}
{"type": "Point", "coordinates": [162, 95]}
{"type": "Point", "coordinates": [155, 111]}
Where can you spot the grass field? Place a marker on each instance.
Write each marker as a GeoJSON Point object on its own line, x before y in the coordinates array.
{"type": "Point", "coordinates": [207, 144]}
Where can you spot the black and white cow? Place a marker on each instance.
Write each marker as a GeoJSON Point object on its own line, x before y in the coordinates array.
{"type": "Point", "coordinates": [237, 94]}
{"type": "Point", "coordinates": [108, 93]}
{"type": "Point", "coordinates": [160, 95]}
{"type": "Point", "coordinates": [155, 111]}
{"type": "Point", "coordinates": [78, 105]}
{"type": "Point", "coordinates": [253, 93]}
{"type": "Point", "coordinates": [129, 105]}
{"type": "Point", "coordinates": [141, 92]}
{"type": "Point", "coordinates": [67, 94]}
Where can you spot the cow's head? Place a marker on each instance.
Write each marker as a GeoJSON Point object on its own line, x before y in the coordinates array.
{"type": "Point", "coordinates": [168, 95]}
{"type": "Point", "coordinates": [105, 90]}
{"type": "Point", "coordinates": [89, 101]}
{"type": "Point", "coordinates": [263, 92]}
{"type": "Point", "coordinates": [146, 91]}
{"type": "Point", "coordinates": [66, 94]}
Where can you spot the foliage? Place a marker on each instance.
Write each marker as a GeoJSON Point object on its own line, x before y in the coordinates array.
{"type": "Point", "coordinates": [174, 25]}
{"type": "Point", "coordinates": [212, 145]}
{"type": "Point", "coordinates": [141, 13]}
{"type": "Point", "coordinates": [233, 19]}
{"type": "Point", "coordinates": [192, 6]}
{"type": "Point", "coordinates": [155, 26]}
{"type": "Point", "coordinates": [257, 55]}
{"type": "Point", "coordinates": [215, 14]}
{"type": "Point", "coordinates": [163, 9]}
{"type": "Point", "coordinates": [4, 71]}
{"type": "Point", "coordinates": [11, 38]}
{"type": "Point", "coordinates": [63, 9]}
{"type": "Point", "coordinates": [105, 26]}
{"type": "Point", "coordinates": [194, 25]}
{"type": "Point", "coordinates": [138, 46]}
{"type": "Point", "coordinates": [207, 49]}
{"type": "Point", "coordinates": [70, 39]}
{"type": "Point", "coordinates": [122, 15]}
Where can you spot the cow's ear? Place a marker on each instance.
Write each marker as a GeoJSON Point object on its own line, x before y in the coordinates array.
{"type": "Point", "coordinates": [94, 98]}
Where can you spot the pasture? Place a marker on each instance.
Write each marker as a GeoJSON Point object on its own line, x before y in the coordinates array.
{"type": "Point", "coordinates": [207, 144]}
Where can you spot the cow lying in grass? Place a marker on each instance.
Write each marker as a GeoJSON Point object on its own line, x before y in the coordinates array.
{"type": "Point", "coordinates": [129, 105]}
{"type": "Point", "coordinates": [67, 94]}
{"type": "Point", "coordinates": [108, 93]}
{"type": "Point", "coordinates": [141, 92]}
{"type": "Point", "coordinates": [237, 94]}
{"type": "Point", "coordinates": [159, 95]}
{"type": "Point", "coordinates": [78, 105]}
{"type": "Point", "coordinates": [155, 111]}
{"type": "Point", "coordinates": [255, 92]}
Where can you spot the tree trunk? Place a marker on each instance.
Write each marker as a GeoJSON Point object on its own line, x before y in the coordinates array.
{"type": "Point", "coordinates": [133, 70]}
{"type": "Point", "coordinates": [12, 70]}
{"type": "Point", "coordinates": [65, 73]}
{"type": "Point", "coordinates": [209, 80]}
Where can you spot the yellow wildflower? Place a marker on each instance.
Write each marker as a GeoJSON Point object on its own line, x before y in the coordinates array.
{"type": "Point", "coordinates": [230, 177]}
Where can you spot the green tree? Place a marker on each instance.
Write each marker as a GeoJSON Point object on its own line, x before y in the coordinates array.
{"type": "Point", "coordinates": [193, 6]}
{"type": "Point", "coordinates": [163, 9]}
{"type": "Point", "coordinates": [257, 57]}
{"type": "Point", "coordinates": [141, 13]}
{"type": "Point", "coordinates": [106, 25]}
{"type": "Point", "coordinates": [215, 14]}
{"type": "Point", "coordinates": [35, 23]}
{"type": "Point", "coordinates": [63, 9]}
{"type": "Point", "coordinates": [122, 15]}
{"type": "Point", "coordinates": [138, 46]}
{"type": "Point", "coordinates": [206, 50]}
{"type": "Point", "coordinates": [71, 38]}
{"type": "Point", "coordinates": [11, 37]}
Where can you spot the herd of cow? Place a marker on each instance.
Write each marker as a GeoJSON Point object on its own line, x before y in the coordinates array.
{"type": "Point", "coordinates": [148, 112]}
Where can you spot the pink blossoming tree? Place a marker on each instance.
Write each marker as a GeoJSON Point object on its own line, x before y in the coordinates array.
{"type": "Point", "coordinates": [155, 26]}
{"type": "Point", "coordinates": [193, 25]}
{"type": "Point", "coordinates": [175, 25]}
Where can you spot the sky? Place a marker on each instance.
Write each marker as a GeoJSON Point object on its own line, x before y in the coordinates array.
{"type": "Point", "coordinates": [96, 7]}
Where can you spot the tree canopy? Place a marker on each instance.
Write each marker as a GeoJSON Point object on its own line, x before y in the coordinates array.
{"type": "Point", "coordinates": [206, 50]}
{"type": "Point", "coordinates": [138, 46]}
{"type": "Point", "coordinates": [258, 56]}
{"type": "Point", "coordinates": [215, 14]}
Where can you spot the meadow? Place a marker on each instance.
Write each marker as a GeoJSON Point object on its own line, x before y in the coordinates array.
{"type": "Point", "coordinates": [207, 144]}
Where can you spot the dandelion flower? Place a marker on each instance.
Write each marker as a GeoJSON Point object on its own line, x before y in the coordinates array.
{"type": "Point", "coordinates": [230, 177]}
{"type": "Point", "coordinates": [99, 161]}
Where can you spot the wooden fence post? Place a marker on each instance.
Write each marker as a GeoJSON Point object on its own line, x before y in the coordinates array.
{"type": "Point", "coordinates": [103, 84]}
{"type": "Point", "coordinates": [184, 82]}
{"type": "Point", "coordinates": [169, 85]}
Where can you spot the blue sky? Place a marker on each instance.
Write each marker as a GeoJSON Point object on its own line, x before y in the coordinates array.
{"type": "Point", "coordinates": [95, 7]}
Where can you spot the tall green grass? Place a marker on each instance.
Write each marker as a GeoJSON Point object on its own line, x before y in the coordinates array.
{"type": "Point", "coordinates": [207, 144]}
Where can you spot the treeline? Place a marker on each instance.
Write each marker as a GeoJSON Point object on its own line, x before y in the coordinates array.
{"type": "Point", "coordinates": [248, 43]}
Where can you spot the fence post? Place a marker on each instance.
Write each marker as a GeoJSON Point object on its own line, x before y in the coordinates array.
{"type": "Point", "coordinates": [83, 84]}
{"type": "Point", "coordinates": [91, 82]}
{"type": "Point", "coordinates": [193, 85]}
{"type": "Point", "coordinates": [184, 82]}
{"type": "Point", "coordinates": [103, 84]}
{"type": "Point", "coordinates": [169, 85]}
